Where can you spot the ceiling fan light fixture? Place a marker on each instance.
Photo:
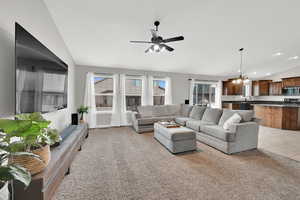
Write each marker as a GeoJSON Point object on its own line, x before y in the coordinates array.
{"type": "Point", "coordinates": [156, 47]}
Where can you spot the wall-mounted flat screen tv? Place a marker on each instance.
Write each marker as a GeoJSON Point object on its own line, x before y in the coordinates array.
{"type": "Point", "coordinates": [41, 77]}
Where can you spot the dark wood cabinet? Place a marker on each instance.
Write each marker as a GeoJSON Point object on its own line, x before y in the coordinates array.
{"type": "Point", "coordinates": [231, 106]}
{"type": "Point", "coordinates": [261, 87]}
{"type": "Point", "coordinates": [230, 88]}
{"type": "Point", "coordinates": [275, 88]}
{"type": "Point", "coordinates": [291, 82]}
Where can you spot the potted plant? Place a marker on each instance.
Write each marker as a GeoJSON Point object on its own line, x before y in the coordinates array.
{"type": "Point", "coordinates": [10, 172]}
{"type": "Point", "coordinates": [33, 135]}
{"type": "Point", "coordinates": [82, 110]}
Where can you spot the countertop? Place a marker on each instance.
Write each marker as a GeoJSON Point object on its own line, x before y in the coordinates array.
{"type": "Point", "coordinates": [267, 103]}
{"type": "Point", "coordinates": [280, 105]}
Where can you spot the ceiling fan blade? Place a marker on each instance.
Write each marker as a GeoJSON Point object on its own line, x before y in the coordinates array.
{"type": "Point", "coordinates": [154, 33]}
{"type": "Point", "coordinates": [173, 39]}
{"type": "Point", "coordinates": [167, 47]}
{"type": "Point", "coordinates": [145, 42]}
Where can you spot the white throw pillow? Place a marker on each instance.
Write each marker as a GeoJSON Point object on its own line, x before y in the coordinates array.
{"type": "Point", "coordinates": [235, 118]}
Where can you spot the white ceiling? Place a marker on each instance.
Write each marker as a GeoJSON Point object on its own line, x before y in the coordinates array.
{"type": "Point", "coordinates": [97, 33]}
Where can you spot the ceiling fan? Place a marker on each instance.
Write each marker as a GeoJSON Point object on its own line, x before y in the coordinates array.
{"type": "Point", "coordinates": [157, 42]}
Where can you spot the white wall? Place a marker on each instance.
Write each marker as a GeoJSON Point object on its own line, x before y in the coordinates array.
{"type": "Point", "coordinates": [180, 82]}
{"type": "Point", "coordinates": [294, 72]}
{"type": "Point", "coordinates": [33, 15]}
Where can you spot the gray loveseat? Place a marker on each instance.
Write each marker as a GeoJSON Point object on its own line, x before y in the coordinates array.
{"type": "Point", "coordinates": [206, 122]}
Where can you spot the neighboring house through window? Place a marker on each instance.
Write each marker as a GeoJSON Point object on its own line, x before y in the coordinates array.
{"type": "Point", "coordinates": [159, 91]}
{"type": "Point", "coordinates": [133, 93]}
{"type": "Point", "coordinates": [104, 92]}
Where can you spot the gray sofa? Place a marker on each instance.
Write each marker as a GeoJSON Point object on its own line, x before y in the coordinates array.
{"type": "Point", "coordinates": [206, 122]}
{"type": "Point", "coordinates": [209, 127]}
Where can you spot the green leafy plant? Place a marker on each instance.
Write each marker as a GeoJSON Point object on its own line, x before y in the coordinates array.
{"type": "Point", "coordinates": [9, 172]}
{"type": "Point", "coordinates": [82, 110]}
{"type": "Point", "coordinates": [30, 131]}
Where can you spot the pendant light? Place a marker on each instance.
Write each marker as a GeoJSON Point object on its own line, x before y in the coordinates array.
{"type": "Point", "coordinates": [241, 78]}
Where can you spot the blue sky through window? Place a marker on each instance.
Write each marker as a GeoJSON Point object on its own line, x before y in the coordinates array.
{"type": "Point", "coordinates": [98, 79]}
{"type": "Point", "coordinates": [159, 83]}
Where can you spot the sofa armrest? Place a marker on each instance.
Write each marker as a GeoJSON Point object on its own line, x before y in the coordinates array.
{"type": "Point", "coordinates": [240, 127]}
{"type": "Point", "coordinates": [135, 116]}
{"type": "Point", "coordinates": [246, 136]}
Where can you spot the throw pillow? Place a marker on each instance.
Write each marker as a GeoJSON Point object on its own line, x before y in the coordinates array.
{"type": "Point", "coordinates": [185, 110]}
{"type": "Point", "coordinates": [235, 118]}
{"type": "Point", "coordinates": [212, 115]}
{"type": "Point", "coordinates": [197, 112]}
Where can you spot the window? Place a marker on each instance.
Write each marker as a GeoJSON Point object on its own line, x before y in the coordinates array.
{"type": "Point", "coordinates": [104, 93]}
{"type": "Point", "coordinates": [133, 92]}
{"type": "Point", "coordinates": [159, 88]}
{"type": "Point", "coordinates": [204, 94]}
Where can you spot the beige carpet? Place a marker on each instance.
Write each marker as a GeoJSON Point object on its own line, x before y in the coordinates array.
{"type": "Point", "coordinates": [118, 164]}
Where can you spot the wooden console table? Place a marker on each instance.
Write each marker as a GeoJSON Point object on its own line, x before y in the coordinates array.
{"type": "Point", "coordinates": [44, 184]}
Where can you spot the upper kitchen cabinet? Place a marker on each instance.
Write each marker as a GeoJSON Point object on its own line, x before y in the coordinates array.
{"type": "Point", "coordinates": [261, 87]}
{"type": "Point", "coordinates": [291, 82]}
{"type": "Point", "coordinates": [230, 88]}
{"type": "Point", "coordinates": [275, 88]}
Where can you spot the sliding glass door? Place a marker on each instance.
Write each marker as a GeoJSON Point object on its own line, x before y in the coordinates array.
{"type": "Point", "coordinates": [204, 94]}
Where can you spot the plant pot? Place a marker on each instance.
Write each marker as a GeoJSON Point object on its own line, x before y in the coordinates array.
{"type": "Point", "coordinates": [81, 121]}
{"type": "Point", "coordinates": [4, 194]}
{"type": "Point", "coordinates": [34, 165]}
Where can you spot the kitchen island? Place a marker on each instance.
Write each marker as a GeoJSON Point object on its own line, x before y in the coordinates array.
{"type": "Point", "coordinates": [283, 116]}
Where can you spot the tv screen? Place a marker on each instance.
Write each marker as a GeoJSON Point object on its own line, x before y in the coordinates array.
{"type": "Point", "coordinates": [41, 77]}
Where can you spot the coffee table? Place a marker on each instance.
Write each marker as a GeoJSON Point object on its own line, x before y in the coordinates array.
{"type": "Point", "coordinates": [175, 139]}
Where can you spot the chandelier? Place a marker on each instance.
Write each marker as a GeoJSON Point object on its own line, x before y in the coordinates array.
{"type": "Point", "coordinates": [242, 78]}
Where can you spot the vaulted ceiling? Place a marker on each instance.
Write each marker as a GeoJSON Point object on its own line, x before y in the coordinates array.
{"type": "Point", "coordinates": [97, 33]}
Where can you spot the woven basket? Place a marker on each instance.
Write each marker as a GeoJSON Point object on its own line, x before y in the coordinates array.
{"type": "Point", "coordinates": [32, 164]}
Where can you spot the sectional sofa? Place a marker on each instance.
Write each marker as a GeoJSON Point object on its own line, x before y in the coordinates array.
{"type": "Point", "coordinates": [206, 122]}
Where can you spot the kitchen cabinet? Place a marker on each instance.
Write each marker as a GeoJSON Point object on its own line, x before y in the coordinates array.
{"type": "Point", "coordinates": [275, 116]}
{"type": "Point", "coordinates": [231, 106]}
{"type": "Point", "coordinates": [275, 88]}
{"type": "Point", "coordinates": [230, 88]}
{"type": "Point", "coordinates": [291, 82]}
{"type": "Point", "coordinates": [261, 87]}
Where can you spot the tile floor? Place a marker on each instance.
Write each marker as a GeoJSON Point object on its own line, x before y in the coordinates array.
{"type": "Point", "coordinates": [282, 142]}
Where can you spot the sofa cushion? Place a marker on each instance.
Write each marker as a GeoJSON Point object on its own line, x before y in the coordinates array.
{"type": "Point", "coordinates": [146, 121]}
{"type": "Point", "coordinates": [197, 112]}
{"type": "Point", "coordinates": [165, 118]}
{"type": "Point", "coordinates": [196, 124]}
{"type": "Point", "coordinates": [160, 110]}
{"type": "Point", "coordinates": [174, 110]}
{"type": "Point", "coordinates": [212, 115]}
{"type": "Point", "coordinates": [185, 110]}
{"type": "Point", "coordinates": [145, 111]}
{"type": "Point", "coordinates": [235, 118]}
{"type": "Point", "coordinates": [218, 132]}
{"type": "Point", "coordinates": [182, 120]}
{"type": "Point", "coordinates": [246, 115]}
{"type": "Point", "coordinates": [152, 120]}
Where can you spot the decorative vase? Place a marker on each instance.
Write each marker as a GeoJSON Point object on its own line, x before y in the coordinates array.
{"type": "Point", "coordinates": [34, 165]}
{"type": "Point", "coordinates": [4, 193]}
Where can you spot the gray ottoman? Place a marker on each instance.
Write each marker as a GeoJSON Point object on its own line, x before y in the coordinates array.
{"type": "Point", "coordinates": [176, 140]}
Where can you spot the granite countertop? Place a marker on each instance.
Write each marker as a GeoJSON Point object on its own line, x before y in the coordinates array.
{"type": "Point", "coordinates": [280, 105]}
